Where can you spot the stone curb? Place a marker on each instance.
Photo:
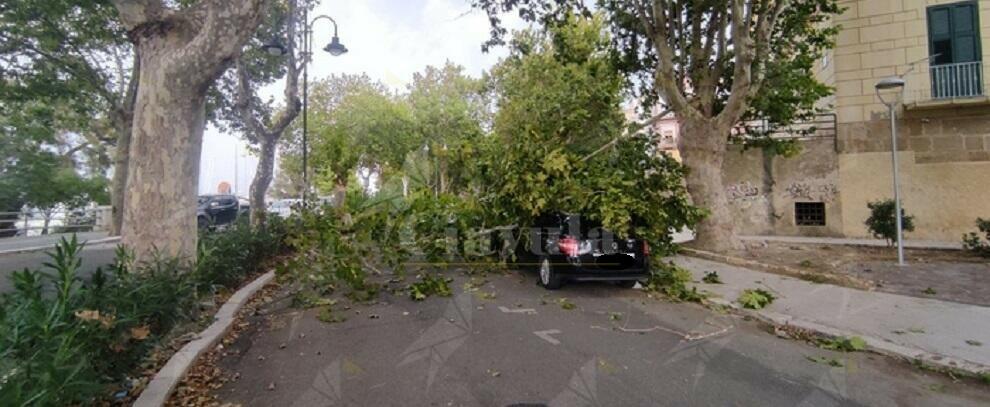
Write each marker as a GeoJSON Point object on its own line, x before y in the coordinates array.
{"type": "Point", "coordinates": [873, 344]}
{"type": "Point", "coordinates": [49, 247]}
{"type": "Point", "coordinates": [161, 386]}
{"type": "Point", "coordinates": [838, 279]}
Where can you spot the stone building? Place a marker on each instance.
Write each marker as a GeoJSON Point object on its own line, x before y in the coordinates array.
{"type": "Point", "coordinates": [938, 48]}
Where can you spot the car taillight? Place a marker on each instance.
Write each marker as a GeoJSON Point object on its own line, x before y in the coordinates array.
{"type": "Point", "coordinates": [569, 246]}
{"type": "Point", "coordinates": [646, 248]}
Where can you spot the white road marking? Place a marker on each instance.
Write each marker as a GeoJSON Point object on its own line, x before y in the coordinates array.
{"type": "Point", "coordinates": [545, 335]}
{"type": "Point", "coordinates": [517, 310]}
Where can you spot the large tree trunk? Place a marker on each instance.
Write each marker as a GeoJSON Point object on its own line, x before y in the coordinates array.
{"type": "Point", "coordinates": [702, 146]}
{"type": "Point", "coordinates": [262, 179]}
{"type": "Point", "coordinates": [181, 53]}
{"type": "Point", "coordinates": [160, 209]}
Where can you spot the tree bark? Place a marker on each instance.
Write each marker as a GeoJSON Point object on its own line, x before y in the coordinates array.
{"type": "Point", "coordinates": [340, 193]}
{"type": "Point", "coordinates": [181, 52]}
{"type": "Point", "coordinates": [702, 148]}
{"type": "Point", "coordinates": [123, 117]}
{"type": "Point", "coordinates": [262, 179]}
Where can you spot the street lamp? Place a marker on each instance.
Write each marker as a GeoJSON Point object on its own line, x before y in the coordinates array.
{"type": "Point", "coordinates": [894, 87]}
{"type": "Point", "coordinates": [335, 48]}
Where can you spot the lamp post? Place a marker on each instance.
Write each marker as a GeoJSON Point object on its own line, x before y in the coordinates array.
{"type": "Point", "coordinates": [895, 86]}
{"type": "Point", "coordinates": [335, 48]}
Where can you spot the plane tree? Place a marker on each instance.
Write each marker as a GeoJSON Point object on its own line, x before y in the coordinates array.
{"type": "Point", "coordinates": [181, 50]}
{"type": "Point", "coordinates": [708, 62]}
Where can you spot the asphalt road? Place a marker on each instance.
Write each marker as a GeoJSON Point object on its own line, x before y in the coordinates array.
{"type": "Point", "coordinates": [512, 343]}
{"type": "Point", "coordinates": [92, 257]}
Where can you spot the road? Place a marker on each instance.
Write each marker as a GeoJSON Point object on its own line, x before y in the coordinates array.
{"type": "Point", "coordinates": [513, 343]}
{"type": "Point", "coordinates": [92, 257]}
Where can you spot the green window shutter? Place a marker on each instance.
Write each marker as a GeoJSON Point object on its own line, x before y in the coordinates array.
{"type": "Point", "coordinates": [965, 33]}
{"type": "Point", "coordinates": [954, 33]}
{"type": "Point", "coordinates": [940, 35]}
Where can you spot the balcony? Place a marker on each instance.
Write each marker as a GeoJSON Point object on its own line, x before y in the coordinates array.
{"type": "Point", "coordinates": [958, 80]}
{"type": "Point", "coordinates": [948, 86]}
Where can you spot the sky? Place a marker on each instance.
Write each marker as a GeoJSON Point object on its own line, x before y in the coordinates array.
{"type": "Point", "coordinates": [387, 39]}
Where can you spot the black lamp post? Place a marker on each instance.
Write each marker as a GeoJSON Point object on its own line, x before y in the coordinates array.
{"type": "Point", "coordinates": [335, 48]}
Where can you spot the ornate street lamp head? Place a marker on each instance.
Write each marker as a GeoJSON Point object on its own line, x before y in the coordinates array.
{"type": "Point", "coordinates": [335, 48]}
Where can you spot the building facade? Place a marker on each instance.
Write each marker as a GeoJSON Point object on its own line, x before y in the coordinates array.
{"type": "Point", "coordinates": [943, 117]}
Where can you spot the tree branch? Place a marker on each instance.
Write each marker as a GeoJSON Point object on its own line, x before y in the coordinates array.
{"type": "Point", "coordinates": [633, 129]}
{"type": "Point", "coordinates": [135, 13]}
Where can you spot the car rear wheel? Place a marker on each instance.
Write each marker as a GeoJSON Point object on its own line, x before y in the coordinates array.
{"type": "Point", "coordinates": [549, 278]}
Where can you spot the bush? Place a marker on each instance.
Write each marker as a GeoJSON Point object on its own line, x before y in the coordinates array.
{"type": "Point", "coordinates": [973, 243]}
{"type": "Point", "coordinates": [66, 341]}
{"type": "Point", "coordinates": [882, 222]}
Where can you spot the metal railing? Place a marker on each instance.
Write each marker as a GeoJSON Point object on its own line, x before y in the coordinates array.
{"type": "Point", "coordinates": [33, 222]}
{"type": "Point", "coordinates": [822, 125]}
{"type": "Point", "coordinates": [958, 80]}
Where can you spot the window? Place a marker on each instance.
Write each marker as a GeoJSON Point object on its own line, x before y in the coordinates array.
{"type": "Point", "coordinates": [954, 47]}
{"type": "Point", "coordinates": [809, 213]}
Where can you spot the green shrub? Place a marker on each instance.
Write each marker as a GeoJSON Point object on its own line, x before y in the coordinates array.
{"type": "Point", "coordinates": [755, 298]}
{"type": "Point", "coordinates": [882, 222]}
{"type": "Point", "coordinates": [671, 280]}
{"type": "Point", "coordinates": [66, 341]}
{"type": "Point", "coordinates": [972, 241]}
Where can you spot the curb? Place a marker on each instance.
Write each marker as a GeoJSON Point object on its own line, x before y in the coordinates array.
{"type": "Point", "coordinates": [837, 279]}
{"type": "Point", "coordinates": [873, 344]}
{"type": "Point", "coordinates": [49, 247]}
{"type": "Point", "coordinates": [161, 386]}
{"type": "Point", "coordinates": [908, 244]}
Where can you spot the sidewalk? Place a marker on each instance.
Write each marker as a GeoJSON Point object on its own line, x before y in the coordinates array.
{"type": "Point", "coordinates": [12, 245]}
{"type": "Point", "coordinates": [935, 332]}
{"type": "Point", "coordinates": [910, 244]}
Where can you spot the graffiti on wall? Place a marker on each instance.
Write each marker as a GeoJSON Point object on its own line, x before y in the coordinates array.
{"type": "Point", "coordinates": [742, 191]}
{"type": "Point", "coordinates": [813, 191]}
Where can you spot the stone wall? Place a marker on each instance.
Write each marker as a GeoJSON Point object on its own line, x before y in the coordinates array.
{"type": "Point", "coordinates": [763, 189]}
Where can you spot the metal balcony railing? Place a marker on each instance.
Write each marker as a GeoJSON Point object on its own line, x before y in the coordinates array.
{"type": "Point", "coordinates": [958, 80]}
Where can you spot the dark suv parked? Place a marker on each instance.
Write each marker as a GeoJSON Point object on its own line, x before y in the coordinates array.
{"type": "Point", "coordinates": [570, 248]}
{"type": "Point", "coordinates": [215, 210]}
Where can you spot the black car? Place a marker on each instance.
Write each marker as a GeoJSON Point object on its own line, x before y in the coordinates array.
{"type": "Point", "coordinates": [215, 210]}
{"type": "Point", "coordinates": [570, 248]}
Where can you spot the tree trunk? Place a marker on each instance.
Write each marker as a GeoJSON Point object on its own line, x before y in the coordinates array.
{"type": "Point", "coordinates": [48, 220]}
{"type": "Point", "coordinates": [181, 52]}
{"type": "Point", "coordinates": [160, 209]}
{"type": "Point", "coordinates": [702, 146]}
{"type": "Point", "coordinates": [262, 179]}
{"type": "Point", "coordinates": [123, 118]}
{"type": "Point", "coordinates": [340, 193]}
{"type": "Point", "coordinates": [118, 185]}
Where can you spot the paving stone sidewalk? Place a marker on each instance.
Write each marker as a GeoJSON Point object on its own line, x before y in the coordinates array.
{"type": "Point", "coordinates": [942, 333]}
